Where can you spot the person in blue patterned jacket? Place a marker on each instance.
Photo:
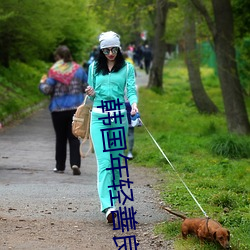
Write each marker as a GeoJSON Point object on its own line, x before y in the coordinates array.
{"type": "Point", "coordinates": [65, 83]}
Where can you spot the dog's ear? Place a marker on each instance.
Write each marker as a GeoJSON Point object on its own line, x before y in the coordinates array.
{"type": "Point", "coordinates": [228, 237]}
{"type": "Point", "coordinates": [214, 235]}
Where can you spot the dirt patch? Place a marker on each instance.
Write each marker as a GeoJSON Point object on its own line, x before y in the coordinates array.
{"type": "Point", "coordinates": [57, 235]}
{"type": "Point", "coordinates": [29, 220]}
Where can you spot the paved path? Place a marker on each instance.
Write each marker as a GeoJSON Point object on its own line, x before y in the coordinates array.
{"type": "Point", "coordinates": [141, 78]}
{"type": "Point", "coordinates": [30, 190]}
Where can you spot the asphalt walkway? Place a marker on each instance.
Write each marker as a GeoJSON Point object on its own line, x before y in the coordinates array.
{"type": "Point", "coordinates": [30, 189]}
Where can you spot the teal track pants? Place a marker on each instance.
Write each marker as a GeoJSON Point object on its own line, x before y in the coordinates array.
{"type": "Point", "coordinates": [100, 141]}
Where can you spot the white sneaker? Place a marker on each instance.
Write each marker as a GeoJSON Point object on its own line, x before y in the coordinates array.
{"type": "Point", "coordinates": [76, 170]}
{"type": "Point", "coordinates": [109, 214]}
{"type": "Point", "coordinates": [130, 155]}
{"type": "Point", "coordinates": [58, 171]}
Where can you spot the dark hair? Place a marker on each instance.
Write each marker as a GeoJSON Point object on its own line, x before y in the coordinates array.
{"type": "Point", "coordinates": [102, 67]}
{"type": "Point", "coordinates": [64, 53]}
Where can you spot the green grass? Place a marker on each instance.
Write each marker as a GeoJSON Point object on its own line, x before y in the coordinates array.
{"type": "Point", "coordinates": [19, 88]}
{"type": "Point", "coordinates": [214, 164]}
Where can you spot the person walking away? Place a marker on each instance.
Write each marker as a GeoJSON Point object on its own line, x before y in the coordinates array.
{"type": "Point", "coordinates": [108, 78]}
{"type": "Point", "coordinates": [65, 84]}
{"type": "Point", "coordinates": [93, 55]}
{"type": "Point", "coordinates": [139, 56]}
{"type": "Point", "coordinates": [147, 54]}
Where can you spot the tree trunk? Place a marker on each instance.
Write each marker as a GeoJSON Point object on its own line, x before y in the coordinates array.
{"type": "Point", "coordinates": [159, 47]}
{"type": "Point", "coordinates": [223, 38]}
{"type": "Point", "coordinates": [235, 109]}
{"type": "Point", "coordinates": [201, 99]}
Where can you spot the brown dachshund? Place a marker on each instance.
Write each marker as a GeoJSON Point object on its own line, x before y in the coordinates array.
{"type": "Point", "coordinates": [204, 229]}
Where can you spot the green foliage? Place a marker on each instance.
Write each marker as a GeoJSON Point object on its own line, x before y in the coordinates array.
{"type": "Point", "coordinates": [128, 18]}
{"type": "Point", "coordinates": [243, 59]}
{"type": "Point", "coordinates": [175, 28]}
{"type": "Point", "coordinates": [175, 25]}
{"type": "Point", "coordinates": [29, 33]}
{"type": "Point", "coordinates": [241, 17]}
{"type": "Point", "coordinates": [219, 183]}
{"type": "Point", "coordinates": [19, 87]}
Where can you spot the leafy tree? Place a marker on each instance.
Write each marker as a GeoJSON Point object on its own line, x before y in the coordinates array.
{"type": "Point", "coordinates": [175, 24]}
{"type": "Point", "coordinates": [78, 29]}
{"type": "Point", "coordinates": [23, 33]}
{"type": "Point", "coordinates": [126, 17]}
{"type": "Point", "coordinates": [28, 33]}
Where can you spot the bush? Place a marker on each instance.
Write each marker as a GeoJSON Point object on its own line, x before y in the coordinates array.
{"type": "Point", "coordinates": [231, 146]}
{"type": "Point", "coordinates": [224, 200]}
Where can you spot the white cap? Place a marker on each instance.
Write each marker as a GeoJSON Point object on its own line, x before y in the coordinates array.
{"type": "Point", "coordinates": [109, 39]}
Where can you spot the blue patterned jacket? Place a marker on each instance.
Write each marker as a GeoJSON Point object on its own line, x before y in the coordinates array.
{"type": "Point", "coordinates": [65, 97]}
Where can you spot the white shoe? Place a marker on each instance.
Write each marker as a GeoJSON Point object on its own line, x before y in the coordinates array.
{"type": "Point", "coordinates": [130, 155]}
{"type": "Point", "coordinates": [76, 170]}
{"type": "Point", "coordinates": [58, 171]}
{"type": "Point", "coordinates": [109, 215]}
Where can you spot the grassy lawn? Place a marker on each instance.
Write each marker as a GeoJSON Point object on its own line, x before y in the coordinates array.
{"type": "Point", "coordinates": [19, 88]}
{"type": "Point", "coordinates": [214, 164]}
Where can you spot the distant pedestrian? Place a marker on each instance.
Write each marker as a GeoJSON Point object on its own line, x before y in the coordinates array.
{"type": "Point", "coordinates": [138, 56]}
{"type": "Point", "coordinates": [65, 84]}
{"type": "Point", "coordinates": [93, 55]}
{"type": "Point", "coordinates": [147, 55]}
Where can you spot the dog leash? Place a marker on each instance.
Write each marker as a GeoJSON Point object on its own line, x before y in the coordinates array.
{"type": "Point", "coordinates": [174, 169]}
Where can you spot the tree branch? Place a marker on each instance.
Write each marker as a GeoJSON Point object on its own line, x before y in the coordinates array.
{"type": "Point", "coordinates": [202, 9]}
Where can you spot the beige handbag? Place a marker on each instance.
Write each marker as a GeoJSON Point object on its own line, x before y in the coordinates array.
{"type": "Point", "coordinates": [81, 126]}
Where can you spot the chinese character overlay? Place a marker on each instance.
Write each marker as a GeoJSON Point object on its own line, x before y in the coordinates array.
{"type": "Point", "coordinates": [126, 219]}
{"type": "Point", "coordinates": [114, 139]}
{"type": "Point", "coordinates": [110, 105]}
{"type": "Point", "coordinates": [131, 240]}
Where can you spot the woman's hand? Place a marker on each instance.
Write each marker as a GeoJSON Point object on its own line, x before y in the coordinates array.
{"type": "Point", "coordinates": [43, 79]}
{"type": "Point", "coordinates": [90, 91]}
{"type": "Point", "coordinates": [134, 109]}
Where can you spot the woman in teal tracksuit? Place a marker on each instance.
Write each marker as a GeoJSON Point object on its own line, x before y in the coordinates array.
{"type": "Point", "coordinates": [108, 77]}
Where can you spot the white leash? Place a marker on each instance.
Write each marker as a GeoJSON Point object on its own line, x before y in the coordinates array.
{"type": "Point", "coordinates": [174, 170]}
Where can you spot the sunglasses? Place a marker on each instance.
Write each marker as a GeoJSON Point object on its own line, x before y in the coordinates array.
{"type": "Point", "coordinates": [106, 51]}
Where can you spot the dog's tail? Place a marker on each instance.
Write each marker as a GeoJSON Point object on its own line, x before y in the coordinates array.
{"type": "Point", "coordinates": [175, 213]}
